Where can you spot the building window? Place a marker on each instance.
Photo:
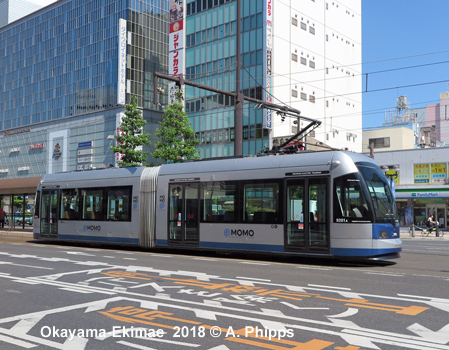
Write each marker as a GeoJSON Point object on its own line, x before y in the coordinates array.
{"type": "Point", "coordinates": [381, 142]}
{"type": "Point", "coordinates": [303, 61]}
{"type": "Point", "coordinates": [303, 26]}
{"type": "Point", "coordinates": [295, 22]}
{"type": "Point", "coordinates": [312, 30]}
{"type": "Point", "coordinates": [312, 98]}
{"type": "Point", "coordinates": [294, 93]}
{"type": "Point", "coordinates": [303, 96]}
{"type": "Point", "coordinates": [294, 57]}
{"type": "Point", "coordinates": [312, 64]}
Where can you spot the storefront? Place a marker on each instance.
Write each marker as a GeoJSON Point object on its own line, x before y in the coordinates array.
{"type": "Point", "coordinates": [17, 198]}
{"type": "Point", "coordinates": [415, 205]}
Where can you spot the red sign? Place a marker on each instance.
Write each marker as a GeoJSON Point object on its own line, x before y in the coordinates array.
{"type": "Point", "coordinates": [40, 145]}
{"type": "Point", "coordinates": [176, 26]}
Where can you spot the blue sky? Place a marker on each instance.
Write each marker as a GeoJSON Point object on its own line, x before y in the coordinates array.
{"type": "Point", "coordinates": [391, 31]}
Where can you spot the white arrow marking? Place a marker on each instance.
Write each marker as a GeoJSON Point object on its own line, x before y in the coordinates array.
{"type": "Point", "coordinates": [350, 312]}
{"type": "Point", "coordinates": [440, 337]}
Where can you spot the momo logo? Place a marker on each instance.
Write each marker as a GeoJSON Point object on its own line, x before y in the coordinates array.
{"type": "Point", "coordinates": [92, 228]}
{"type": "Point", "coordinates": [238, 233]}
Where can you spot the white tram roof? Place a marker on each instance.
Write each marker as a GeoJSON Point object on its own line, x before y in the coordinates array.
{"type": "Point", "coordinates": [313, 158]}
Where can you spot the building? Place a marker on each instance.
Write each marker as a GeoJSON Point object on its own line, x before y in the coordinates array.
{"type": "Point", "coordinates": [388, 139]}
{"type": "Point", "coordinates": [68, 69]}
{"type": "Point", "coordinates": [66, 72]}
{"type": "Point", "coordinates": [430, 123]}
{"type": "Point", "coordinates": [12, 10]}
{"type": "Point", "coordinates": [420, 183]}
{"type": "Point", "coordinates": [304, 54]}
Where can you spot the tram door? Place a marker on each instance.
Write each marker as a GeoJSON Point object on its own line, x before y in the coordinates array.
{"type": "Point", "coordinates": [49, 213]}
{"type": "Point", "coordinates": [184, 214]}
{"type": "Point", "coordinates": [306, 226]}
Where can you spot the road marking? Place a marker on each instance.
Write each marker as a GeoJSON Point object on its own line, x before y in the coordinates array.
{"type": "Point", "coordinates": [253, 263]}
{"type": "Point", "coordinates": [255, 279]}
{"type": "Point", "coordinates": [21, 265]}
{"type": "Point", "coordinates": [24, 344]}
{"type": "Point", "coordinates": [350, 312]}
{"type": "Point", "coordinates": [313, 268]}
{"type": "Point", "coordinates": [303, 308]}
{"type": "Point", "coordinates": [331, 287]}
{"type": "Point", "coordinates": [157, 340]}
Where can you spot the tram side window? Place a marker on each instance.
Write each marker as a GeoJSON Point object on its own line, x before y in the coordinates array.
{"type": "Point", "coordinates": [261, 203]}
{"type": "Point", "coordinates": [69, 204]}
{"type": "Point", "coordinates": [350, 203]}
{"type": "Point", "coordinates": [219, 202]}
{"type": "Point", "coordinates": [92, 201]}
{"type": "Point", "coordinates": [119, 204]}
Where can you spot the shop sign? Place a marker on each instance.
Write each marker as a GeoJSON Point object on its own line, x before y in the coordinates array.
{"type": "Point", "coordinates": [38, 146]}
{"type": "Point", "coordinates": [4, 170]}
{"type": "Point", "coordinates": [421, 173]}
{"type": "Point", "coordinates": [85, 144]}
{"type": "Point", "coordinates": [83, 152]}
{"type": "Point", "coordinates": [438, 173]}
{"type": "Point", "coordinates": [85, 159]}
{"type": "Point", "coordinates": [84, 167]}
{"type": "Point", "coordinates": [14, 149]}
{"type": "Point", "coordinates": [23, 168]}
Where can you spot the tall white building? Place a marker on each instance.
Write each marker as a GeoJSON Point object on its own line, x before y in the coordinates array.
{"type": "Point", "coordinates": [12, 10]}
{"type": "Point", "coordinates": [305, 54]}
{"type": "Point", "coordinates": [317, 55]}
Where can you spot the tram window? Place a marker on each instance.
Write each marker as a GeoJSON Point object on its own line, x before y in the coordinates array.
{"type": "Point", "coordinates": [219, 202]}
{"type": "Point", "coordinates": [261, 203]}
{"type": "Point", "coordinates": [119, 204]}
{"type": "Point", "coordinates": [350, 202]}
{"type": "Point", "coordinates": [69, 204]}
{"type": "Point", "coordinates": [92, 201]}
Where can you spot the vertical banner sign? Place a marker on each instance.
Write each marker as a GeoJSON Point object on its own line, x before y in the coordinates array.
{"type": "Point", "coordinates": [176, 42]}
{"type": "Point", "coordinates": [118, 122]}
{"type": "Point", "coordinates": [267, 118]}
{"type": "Point", "coordinates": [121, 79]}
{"type": "Point", "coordinates": [421, 173]}
{"type": "Point", "coordinates": [438, 173]}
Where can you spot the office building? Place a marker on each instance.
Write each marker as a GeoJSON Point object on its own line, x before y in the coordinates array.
{"type": "Point", "coordinates": [304, 54]}
{"type": "Point", "coordinates": [66, 72]}
{"type": "Point", "coordinates": [12, 10]}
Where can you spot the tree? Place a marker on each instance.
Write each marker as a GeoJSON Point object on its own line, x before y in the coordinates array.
{"type": "Point", "coordinates": [132, 136]}
{"type": "Point", "coordinates": [176, 137]}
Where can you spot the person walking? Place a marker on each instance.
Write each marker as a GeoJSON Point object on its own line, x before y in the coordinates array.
{"type": "Point", "coordinates": [2, 217]}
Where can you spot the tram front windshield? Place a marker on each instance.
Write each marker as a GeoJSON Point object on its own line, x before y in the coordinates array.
{"type": "Point", "coordinates": [381, 195]}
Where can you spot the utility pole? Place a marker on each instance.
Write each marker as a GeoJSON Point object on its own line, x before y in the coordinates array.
{"type": "Point", "coordinates": [238, 103]}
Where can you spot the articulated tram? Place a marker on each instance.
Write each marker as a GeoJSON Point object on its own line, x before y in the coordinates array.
{"type": "Point", "coordinates": [325, 204]}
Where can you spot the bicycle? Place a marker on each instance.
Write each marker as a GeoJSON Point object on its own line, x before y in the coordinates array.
{"type": "Point", "coordinates": [431, 231]}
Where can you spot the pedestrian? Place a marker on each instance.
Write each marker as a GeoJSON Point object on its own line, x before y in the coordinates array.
{"type": "Point", "coordinates": [2, 217]}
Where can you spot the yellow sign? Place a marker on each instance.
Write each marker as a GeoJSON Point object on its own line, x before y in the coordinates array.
{"type": "Point", "coordinates": [438, 173]}
{"type": "Point", "coordinates": [421, 173]}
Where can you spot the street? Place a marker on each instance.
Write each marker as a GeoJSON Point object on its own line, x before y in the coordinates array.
{"type": "Point", "coordinates": [74, 297]}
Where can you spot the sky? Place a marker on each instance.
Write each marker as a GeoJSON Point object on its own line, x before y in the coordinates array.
{"type": "Point", "coordinates": [397, 34]}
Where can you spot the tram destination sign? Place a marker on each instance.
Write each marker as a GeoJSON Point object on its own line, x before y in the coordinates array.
{"type": "Point", "coordinates": [303, 173]}
{"type": "Point", "coordinates": [184, 179]}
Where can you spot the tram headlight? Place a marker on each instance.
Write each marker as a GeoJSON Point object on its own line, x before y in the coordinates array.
{"type": "Point", "coordinates": [383, 234]}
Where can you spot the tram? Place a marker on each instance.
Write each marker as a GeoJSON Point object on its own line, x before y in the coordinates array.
{"type": "Point", "coordinates": [325, 204]}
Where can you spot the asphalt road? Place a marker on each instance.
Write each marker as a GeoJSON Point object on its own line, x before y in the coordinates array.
{"type": "Point", "coordinates": [73, 297]}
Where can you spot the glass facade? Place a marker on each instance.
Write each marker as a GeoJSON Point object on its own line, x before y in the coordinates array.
{"type": "Point", "coordinates": [59, 81]}
{"type": "Point", "coordinates": [62, 61]}
{"type": "Point", "coordinates": [211, 29]}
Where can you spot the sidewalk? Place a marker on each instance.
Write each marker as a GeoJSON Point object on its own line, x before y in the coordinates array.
{"type": "Point", "coordinates": [405, 234]}
{"type": "Point", "coordinates": [16, 232]}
